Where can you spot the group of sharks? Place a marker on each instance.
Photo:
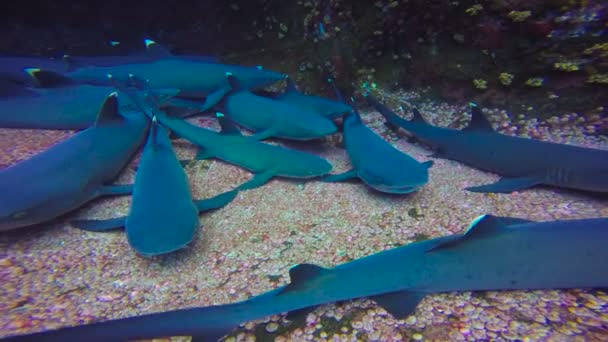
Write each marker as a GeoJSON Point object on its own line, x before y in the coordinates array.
{"type": "Point", "coordinates": [157, 90]}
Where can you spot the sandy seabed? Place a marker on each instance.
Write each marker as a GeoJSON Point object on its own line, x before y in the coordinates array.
{"type": "Point", "coordinates": [57, 275]}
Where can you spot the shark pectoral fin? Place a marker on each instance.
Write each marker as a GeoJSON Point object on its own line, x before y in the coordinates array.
{"type": "Point", "coordinates": [215, 202]}
{"type": "Point", "coordinates": [400, 304]}
{"type": "Point", "coordinates": [482, 227]}
{"type": "Point", "coordinates": [428, 164]}
{"type": "Point", "coordinates": [258, 179]}
{"type": "Point", "coordinates": [116, 190]}
{"type": "Point", "coordinates": [261, 135]}
{"type": "Point", "coordinates": [215, 97]}
{"type": "Point", "coordinates": [352, 173]}
{"type": "Point", "coordinates": [100, 225]}
{"type": "Point", "coordinates": [506, 185]}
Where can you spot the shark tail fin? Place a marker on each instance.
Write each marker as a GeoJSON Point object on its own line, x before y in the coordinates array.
{"type": "Point", "coordinates": [109, 111]}
{"type": "Point", "coordinates": [48, 79]}
{"type": "Point", "coordinates": [227, 125]}
{"type": "Point", "coordinates": [482, 227]}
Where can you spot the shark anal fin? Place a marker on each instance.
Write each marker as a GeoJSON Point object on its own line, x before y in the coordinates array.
{"type": "Point", "coordinates": [399, 304]}
{"type": "Point", "coordinates": [215, 202]}
{"type": "Point", "coordinates": [352, 173]}
{"type": "Point", "coordinates": [116, 190]}
{"type": "Point", "coordinates": [100, 225]}
{"type": "Point", "coordinates": [483, 226]}
{"type": "Point", "coordinates": [258, 179]}
{"type": "Point", "coordinates": [506, 185]}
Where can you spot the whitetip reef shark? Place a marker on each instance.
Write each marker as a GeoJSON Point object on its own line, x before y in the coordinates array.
{"type": "Point", "coordinates": [328, 108]}
{"type": "Point", "coordinates": [264, 160]}
{"type": "Point", "coordinates": [163, 216]}
{"type": "Point", "coordinates": [69, 107]}
{"type": "Point", "coordinates": [522, 163]}
{"type": "Point", "coordinates": [272, 118]}
{"type": "Point", "coordinates": [493, 254]}
{"type": "Point", "coordinates": [377, 163]}
{"type": "Point", "coordinates": [196, 79]}
{"type": "Point", "coordinates": [72, 172]}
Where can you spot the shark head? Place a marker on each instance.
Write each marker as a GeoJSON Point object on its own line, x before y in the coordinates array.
{"type": "Point", "coordinates": [308, 166]}
{"type": "Point", "coordinates": [397, 180]}
{"type": "Point", "coordinates": [314, 127]}
{"type": "Point", "coordinates": [256, 77]}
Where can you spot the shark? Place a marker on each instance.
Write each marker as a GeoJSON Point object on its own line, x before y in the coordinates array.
{"type": "Point", "coordinates": [153, 51]}
{"type": "Point", "coordinates": [163, 217]}
{"type": "Point", "coordinates": [377, 163]}
{"type": "Point", "coordinates": [196, 79]}
{"type": "Point", "coordinates": [494, 253]}
{"type": "Point", "coordinates": [271, 118]}
{"type": "Point", "coordinates": [320, 105]}
{"type": "Point", "coordinates": [73, 107]}
{"type": "Point", "coordinates": [522, 163]}
{"type": "Point", "coordinates": [72, 172]}
{"type": "Point", "coordinates": [264, 160]}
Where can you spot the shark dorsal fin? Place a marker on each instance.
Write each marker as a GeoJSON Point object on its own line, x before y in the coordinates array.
{"type": "Point", "coordinates": [291, 86]}
{"type": "Point", "coordinates": [228, 127]}
{"type": "Point", "coordinates": [109, 110]}
{"type": "Point", "coordinates": [70, 63]}
{"type": "Point", "coordinates": [47, 79]}
{"type": "Point", "coordinates": [233, 81]}
{"type": "Point", "coordinates": [417, 117]}
{"type": "Point", "coordinates": [483, 226]}
{"type": "Point", "coordinates": [478, 120]}
{"type": "Point", "coordinates": [156, 50]}
{"type": "Point", "coordinates": [304, 272]}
